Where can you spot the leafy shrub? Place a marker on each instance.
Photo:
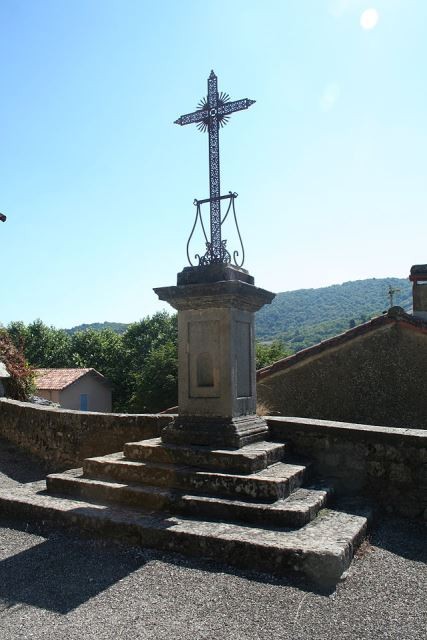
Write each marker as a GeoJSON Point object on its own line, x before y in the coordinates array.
{"type": "Point", "coordinates": [21, 383]}
{"type": "Point", "coordinates": [268, 353]}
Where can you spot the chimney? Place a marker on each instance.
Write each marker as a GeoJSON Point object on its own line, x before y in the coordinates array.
{"type": "Point", "coordinates": [418, 278]}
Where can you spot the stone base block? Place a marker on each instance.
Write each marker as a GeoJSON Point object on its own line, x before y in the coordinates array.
{"type": "Point", "coordinates": [250, 459]}
{"type": "Point", "coordinates": [215, 432]}
{"type": "Point", "coordinates": [322, 549]}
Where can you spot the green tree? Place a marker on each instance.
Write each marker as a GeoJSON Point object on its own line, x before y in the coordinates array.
{"type": "Point", "coordinates": [156, 386]}
{"type": "Point", "coordinates": [141, 364]}
{"type": "Point", "coordinates": [18, 333]}
{"type": "Point", "coordinates": [43, 346]}
{"type": "Point", "coordinates": [268, 353]}
{"type": "Point", "coordinates": [142, 337]}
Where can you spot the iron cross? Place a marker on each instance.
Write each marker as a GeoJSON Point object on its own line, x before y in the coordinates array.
{"type": "Point", "coordinates": [212, 114]}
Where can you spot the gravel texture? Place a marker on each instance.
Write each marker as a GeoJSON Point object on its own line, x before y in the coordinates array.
{"type": "Point", "coordinates": [57, 586]}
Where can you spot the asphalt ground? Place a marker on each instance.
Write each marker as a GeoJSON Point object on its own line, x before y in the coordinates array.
{"type": "Point", "coordinates": [55, 585]}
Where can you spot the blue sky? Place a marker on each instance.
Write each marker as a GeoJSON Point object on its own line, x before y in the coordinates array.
{"type": "Point", "coordinates": [97, 182]}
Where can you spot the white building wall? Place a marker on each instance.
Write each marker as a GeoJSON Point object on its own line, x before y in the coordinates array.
{"type": "Point", "coordinates": [99, 397]}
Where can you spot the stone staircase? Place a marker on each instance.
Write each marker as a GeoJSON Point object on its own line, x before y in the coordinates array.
{"type": "Point", "coordinates": [249, 485]}
{"type": "Point", "coordinates": [251, 507]}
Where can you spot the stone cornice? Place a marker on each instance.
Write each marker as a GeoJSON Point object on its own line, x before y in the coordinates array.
{"type": "Point", "coordinates": [224, 294]}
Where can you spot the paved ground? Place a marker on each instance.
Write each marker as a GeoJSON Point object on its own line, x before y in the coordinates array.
{"type": "Point", "coordinates": [54, 586]}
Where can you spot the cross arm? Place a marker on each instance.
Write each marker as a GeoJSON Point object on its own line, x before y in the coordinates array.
{"type": "Point", "coordinates": [190, 118]}
{"type": "Point", "coordinates": [236, 105]}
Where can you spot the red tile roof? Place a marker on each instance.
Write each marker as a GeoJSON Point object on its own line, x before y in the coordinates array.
{"type": "Point", "coordinates": [394, 315]}
{"type": "Point", "coordinates": [61, 378]}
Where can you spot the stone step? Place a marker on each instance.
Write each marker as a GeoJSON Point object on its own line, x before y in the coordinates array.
{"type": "Point", "coordinates": [249, 459]}
{"type": "Point", "coordinates": [295, 511]}
{"type": "Point", "coordinates": [273, 483]}
{"type": "Point", "coordinates": [322, 549]}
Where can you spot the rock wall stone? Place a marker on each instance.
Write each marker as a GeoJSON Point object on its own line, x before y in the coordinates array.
{"type": "Point", "coordinates": [63, 438]}
{"type": "Point", "coordinates": [386, 464]}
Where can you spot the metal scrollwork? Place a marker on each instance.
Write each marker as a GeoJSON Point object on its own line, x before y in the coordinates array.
{"type": "Point", "coordinates": [221, 254]}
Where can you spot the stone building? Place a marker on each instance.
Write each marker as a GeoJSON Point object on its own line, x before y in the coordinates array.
{"type": "Point", "coordinates": [81, 389]}
{"type": "Point", "coordinates": [374, 373]}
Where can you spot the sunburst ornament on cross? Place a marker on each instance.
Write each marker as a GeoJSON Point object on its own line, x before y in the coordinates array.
{"type": "Point", "coordinates": [213, 113]}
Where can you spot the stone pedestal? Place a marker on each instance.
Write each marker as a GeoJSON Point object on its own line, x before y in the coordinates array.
{"type": "Point", "coordinates": [216, 356]}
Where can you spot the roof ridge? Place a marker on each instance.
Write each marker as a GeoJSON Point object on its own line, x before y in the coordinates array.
{"type": "Point", "coordinates": [62, 377]}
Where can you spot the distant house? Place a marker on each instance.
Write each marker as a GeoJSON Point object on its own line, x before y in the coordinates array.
{"type": "Point", "coordinates": [375, 373]}
{"type": "Point", "coordinates": [81, 389]}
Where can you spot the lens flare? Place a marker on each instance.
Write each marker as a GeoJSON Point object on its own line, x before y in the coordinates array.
{"type": "Point", "coordinates": [369, 19]}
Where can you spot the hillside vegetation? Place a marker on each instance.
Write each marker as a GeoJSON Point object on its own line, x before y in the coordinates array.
{"type": "Point", "coordinates": [118, 327]}
{"type": "Point", "coordinates": [304, 317]}
{"type": "Point", "coordinates": [140, 359]}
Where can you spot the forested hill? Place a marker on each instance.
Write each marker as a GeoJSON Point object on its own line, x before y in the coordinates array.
{"type": "Point", "coordinates": [306, 316]}
{"type": "Point", "coordinates": [118, 327]}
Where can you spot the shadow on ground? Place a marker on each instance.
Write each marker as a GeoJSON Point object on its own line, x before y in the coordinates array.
{"type": "Point", "coordinates": [19, 466]}
{"type": "Point", "coordinates": [65, 570]}
{"type": "Point", "coordinates": [406, 538]}
{"type": "Point", "coordinates": [61, 573]}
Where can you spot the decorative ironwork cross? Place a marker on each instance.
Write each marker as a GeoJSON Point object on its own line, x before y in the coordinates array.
{"type": "Point", "coordinates": [212, 114]}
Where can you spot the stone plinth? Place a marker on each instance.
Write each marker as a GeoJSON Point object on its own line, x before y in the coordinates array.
{"type": "Point", "coordinates": [216, 356]}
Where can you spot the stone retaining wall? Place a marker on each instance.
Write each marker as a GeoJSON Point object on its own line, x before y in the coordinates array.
{"type": "Point", "coordinates": [384, 463]}
{"type": "Point", "coordinates": [63, 438]}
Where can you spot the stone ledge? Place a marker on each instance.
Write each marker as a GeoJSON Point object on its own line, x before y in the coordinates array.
{"type": "Point", "coordinates": [251, 458]}
{"type": "Point", "coordinates": [270, 484]}
{"type": "Point", "coordinates": [285, 425]}
{"type": "Point", "coordinates": [299, 508]}
{"type": "Point", "coordinates": [321, 550]}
